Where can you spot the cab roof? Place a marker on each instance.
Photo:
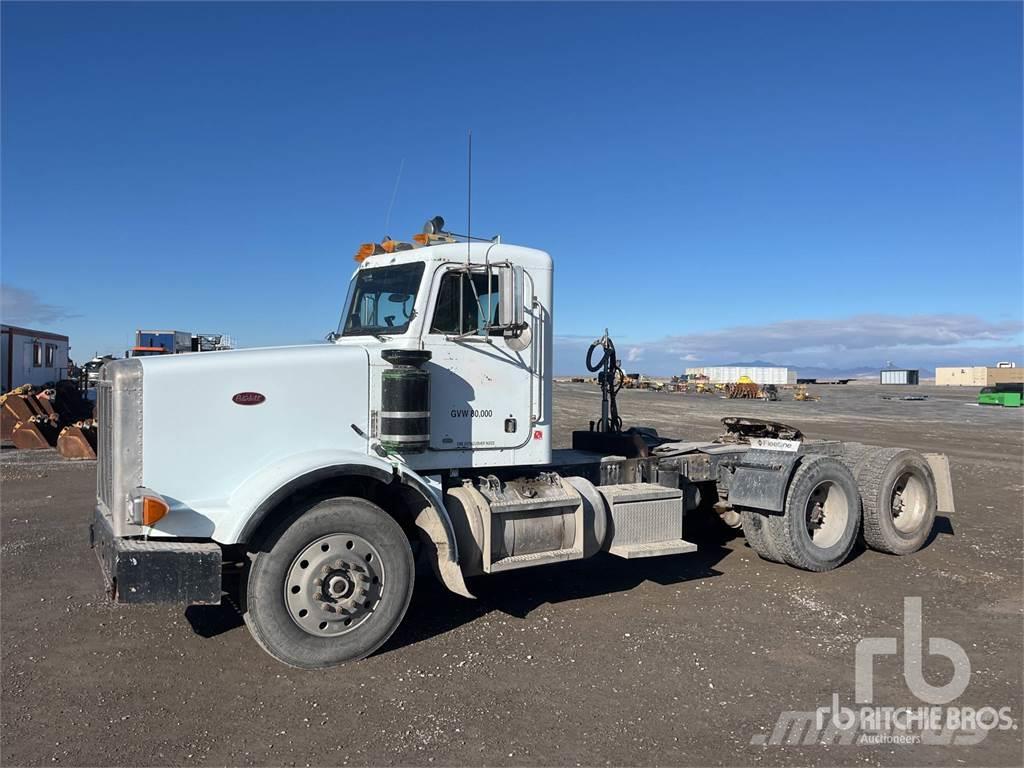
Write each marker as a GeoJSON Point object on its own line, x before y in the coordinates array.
{"type": "Point", "coordinates": [478, 253]}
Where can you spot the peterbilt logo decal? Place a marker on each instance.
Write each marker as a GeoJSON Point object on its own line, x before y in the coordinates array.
{"type": "Point", "coordinates": [249, 398]}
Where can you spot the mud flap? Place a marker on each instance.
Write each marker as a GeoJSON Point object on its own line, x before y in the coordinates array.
{"type": "Point", "coordinates": [761, 481]}
{"type": "Point", "coordinates": [939, 464]}
{"type": "Point", "coordinates": [446, 569]}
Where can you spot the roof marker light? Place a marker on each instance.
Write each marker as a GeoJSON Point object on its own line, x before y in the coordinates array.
{"type": "Point", "coordinates": [368, 249]}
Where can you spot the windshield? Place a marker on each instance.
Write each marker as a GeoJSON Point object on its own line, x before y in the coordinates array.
{"type": "Point", "coordinates": [382, 300]}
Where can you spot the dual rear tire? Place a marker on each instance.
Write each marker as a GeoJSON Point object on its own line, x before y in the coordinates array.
{"type": "Point", "coordinates": [899, 499]}
{"type": "Point", "coordinates": [888, 494]}
{"type": "Point", "coordinates": [819, 524]}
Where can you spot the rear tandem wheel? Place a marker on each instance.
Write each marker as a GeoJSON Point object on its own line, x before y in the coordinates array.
{"type": "Point", "coordinates": [755, 529]}
{"type": "Point", "coordinates": [899, 500]}
{"type": "Point", "coordinates": [819, 524]}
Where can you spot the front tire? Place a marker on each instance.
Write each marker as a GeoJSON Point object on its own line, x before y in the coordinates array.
{"type": "Point", "coordinates": [331, 585]}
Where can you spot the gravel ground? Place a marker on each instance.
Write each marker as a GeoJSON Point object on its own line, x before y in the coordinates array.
{"type": "Point", "coordinates": [687, 660]}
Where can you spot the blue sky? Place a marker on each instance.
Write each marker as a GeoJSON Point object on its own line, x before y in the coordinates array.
{"type": "Point", "coordinates": [822, 184]}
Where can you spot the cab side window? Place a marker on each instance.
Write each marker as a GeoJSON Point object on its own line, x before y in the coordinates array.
{"type": "Point", "coordinates": [462, 310]}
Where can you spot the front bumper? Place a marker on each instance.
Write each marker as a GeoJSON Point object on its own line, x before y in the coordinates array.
{"type": "Point", "coordinates": [156, 571]}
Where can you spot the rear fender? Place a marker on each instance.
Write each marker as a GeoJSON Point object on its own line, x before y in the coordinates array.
{"type": "Point", "coordinates": [761, 480]}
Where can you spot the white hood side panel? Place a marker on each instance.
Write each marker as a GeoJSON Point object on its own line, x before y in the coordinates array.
{"type": "Point", "coordinates": [199, 445]}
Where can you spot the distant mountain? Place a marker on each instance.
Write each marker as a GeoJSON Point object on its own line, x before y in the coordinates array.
{"type": "Point", "coordinates": [818, 372]}
{"type": "Point", "coordinates": [754, 364]}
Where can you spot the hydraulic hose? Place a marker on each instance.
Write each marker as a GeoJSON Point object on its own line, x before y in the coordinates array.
{"type": "Point", "coordinates": [611, 379]}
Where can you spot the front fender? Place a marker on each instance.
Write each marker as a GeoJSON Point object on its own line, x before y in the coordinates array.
{"type": "Point", "coordinates": [262, 491]}
{"type": "Point", "coordinates": [259, 493]}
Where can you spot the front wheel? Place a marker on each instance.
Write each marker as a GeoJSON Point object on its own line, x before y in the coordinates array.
{"type": "Point", "coordinates": [331, 586]}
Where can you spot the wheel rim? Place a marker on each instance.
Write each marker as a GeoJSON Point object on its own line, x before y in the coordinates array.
{"type": "Point", "coordinates": [827, 514]}
{"type": "Point", "coordinates": [334, 584]}
{"type": "Point", "coordinates": [908, 502]}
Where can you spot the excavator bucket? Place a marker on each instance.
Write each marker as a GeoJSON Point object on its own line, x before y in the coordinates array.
{"type": "Point", "coordinates": [78, 441]}
{"type": "Point", "coordinates": [45, 406]}
{"type": "Point", "coordinates": [7, 422]}
{"type": "Point", "coordinates": [20, 405]}
{"type": "Point", "coordinates": [32, 420]}
{"type": "Point", "coordinates": [35, 434]}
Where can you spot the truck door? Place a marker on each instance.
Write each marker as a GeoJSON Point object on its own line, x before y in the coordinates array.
{"type": "Point", "coordinates": [481, 383]}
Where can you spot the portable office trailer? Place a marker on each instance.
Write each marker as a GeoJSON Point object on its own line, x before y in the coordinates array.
{"type": "Point", "coordinates": [899, 376]}
{"type": "Point", "coordinates": [978, 376]}
{"type": "Point", "coordinates": [994, 376]}
{"type": "Point", "coordinates": [31, 357]}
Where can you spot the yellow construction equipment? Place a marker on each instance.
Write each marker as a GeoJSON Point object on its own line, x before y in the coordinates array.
{"type": "Point", "coordinates": [803, 395]}
{"type": "Point", "coordinates": [743, 389]}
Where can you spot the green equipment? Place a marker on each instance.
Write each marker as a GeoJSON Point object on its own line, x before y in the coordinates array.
{"type": "Point", "coordinates": [1008, 395]}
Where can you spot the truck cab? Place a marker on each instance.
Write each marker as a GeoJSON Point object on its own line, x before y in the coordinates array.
{"type": "Point", "coordinates": [483, 312]}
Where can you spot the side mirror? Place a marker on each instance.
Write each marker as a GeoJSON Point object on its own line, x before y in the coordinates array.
{"type": "Point", "coordinates": [512, 310]}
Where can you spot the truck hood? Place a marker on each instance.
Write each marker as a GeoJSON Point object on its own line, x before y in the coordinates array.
{"type": "Point", "coordinates": [213, 419]}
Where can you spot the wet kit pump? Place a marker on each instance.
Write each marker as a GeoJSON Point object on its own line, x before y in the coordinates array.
{"type": "Point", "coordinates": [611, 378]}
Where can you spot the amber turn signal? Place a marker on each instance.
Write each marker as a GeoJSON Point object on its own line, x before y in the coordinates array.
{"type": "Point", "coordinates": [152, 509]}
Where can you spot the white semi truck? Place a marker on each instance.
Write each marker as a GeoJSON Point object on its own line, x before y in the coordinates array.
{"type": "Point", "coordinates": [433, 437]}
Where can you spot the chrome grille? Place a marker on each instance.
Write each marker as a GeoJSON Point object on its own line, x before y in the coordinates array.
{"type": "Point", "coordinates": [104, 443]}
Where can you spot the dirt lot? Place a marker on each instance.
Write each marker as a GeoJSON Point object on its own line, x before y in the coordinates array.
{"type": "Point", "coordinates": [687, 660]}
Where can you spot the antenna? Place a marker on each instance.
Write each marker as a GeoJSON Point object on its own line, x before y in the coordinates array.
{"type": "Point", "coordinates": [394, 194]}
{"type": "Point", "coordinates": [469, 194]}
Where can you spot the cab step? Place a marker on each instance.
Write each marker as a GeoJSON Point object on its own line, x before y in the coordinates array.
{"type": "Point", "coordinates": [536, 558]}
{"type": "Point", "coordinates": [653, 549]}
